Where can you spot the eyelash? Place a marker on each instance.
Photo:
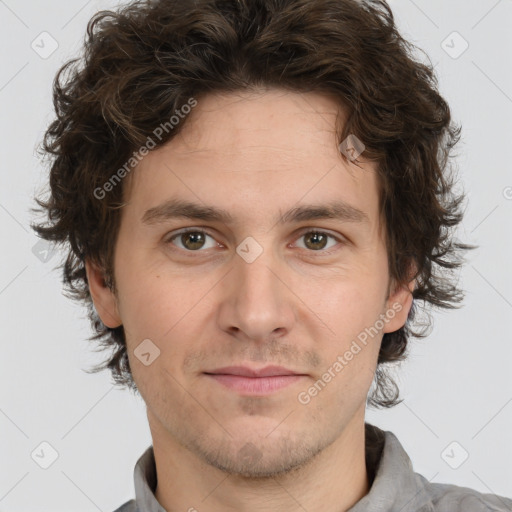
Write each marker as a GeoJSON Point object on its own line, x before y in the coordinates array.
{"type": "Point", "coordinates": [169, 239]}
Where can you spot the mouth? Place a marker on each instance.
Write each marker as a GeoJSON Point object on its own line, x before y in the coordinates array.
{"type": "Point", "coordinates": [252, 381]}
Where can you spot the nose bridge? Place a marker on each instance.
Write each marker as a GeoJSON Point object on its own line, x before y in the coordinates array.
{"type": "Point", "coordinates": [256, 302]}
{"type": "Point", "coordinates": [257, 279]}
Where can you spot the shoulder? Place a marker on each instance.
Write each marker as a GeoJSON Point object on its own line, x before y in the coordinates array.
{"type": "Point", "coordinates": [129, 506]}
{"type": "Point", "coordinates": [453, 498]}
{"type": "Point", "coordinates": [396, 486]}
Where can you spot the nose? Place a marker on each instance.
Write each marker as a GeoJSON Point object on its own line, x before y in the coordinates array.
{"type": "Point", "coordinates": [256, 303]}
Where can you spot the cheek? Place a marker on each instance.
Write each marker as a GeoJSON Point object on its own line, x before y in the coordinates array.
{"type": "Point", "coordinates": [151, 300]}
{"type": "Point", "coordinates": [350, 350]}
{"type": "Point", "coordinates": [348, 306]}
{"type": "Point", "coordinates": [143, 307]}
{"type": "Point", "coordinates": [168, 310]}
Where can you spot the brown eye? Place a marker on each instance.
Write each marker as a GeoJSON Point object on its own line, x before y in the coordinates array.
{"type": "Point", "coordinates": [192, 240]}
{"type": "Point", "coordinates": [315, 241]}
{"type": "Point", "coordinates": [318, 241]}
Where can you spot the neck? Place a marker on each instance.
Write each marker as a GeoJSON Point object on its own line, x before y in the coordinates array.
{"type": "Point", "coordinates": [335, 479]}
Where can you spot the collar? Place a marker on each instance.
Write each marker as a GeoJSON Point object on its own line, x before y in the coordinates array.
{"type": "Point", "coordinates": [394, 486]}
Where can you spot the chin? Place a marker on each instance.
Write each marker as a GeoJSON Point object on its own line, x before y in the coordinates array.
{"type": "Point", "coordinates": [261, 457]}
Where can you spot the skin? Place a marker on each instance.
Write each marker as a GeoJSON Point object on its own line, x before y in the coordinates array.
{"type": "Point", "coordinates": [256, 155]}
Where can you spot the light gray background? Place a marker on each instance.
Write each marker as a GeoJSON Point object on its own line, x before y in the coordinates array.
{"type": "Point", "coordinates": [456, 383]}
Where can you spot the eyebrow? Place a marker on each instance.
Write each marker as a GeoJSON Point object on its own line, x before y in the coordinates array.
{"type": "Point", "coordinates": [178, 208]}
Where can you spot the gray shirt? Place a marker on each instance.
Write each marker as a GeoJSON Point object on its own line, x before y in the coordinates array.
{"type": "Point", "coordinates": [395, 487]}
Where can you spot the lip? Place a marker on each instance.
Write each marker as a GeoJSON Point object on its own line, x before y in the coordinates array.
{"type": "Point", "coordinates": [251, 381]}
{"type": "Point", "coordinates": [245, 371]}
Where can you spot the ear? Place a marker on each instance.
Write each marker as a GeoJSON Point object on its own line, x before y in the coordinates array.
{"type": "Point", "coordinates": [399, 301]}
{"type": "Point", "coordinates": [103, 298]}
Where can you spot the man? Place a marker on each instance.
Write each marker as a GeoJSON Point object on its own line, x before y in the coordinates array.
{"type": "Point", "coordinates": [256, 195]}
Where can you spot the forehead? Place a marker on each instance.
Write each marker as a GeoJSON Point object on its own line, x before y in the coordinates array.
{"type": "Point", "coordinates": [253, 119]}
{"type": "Point", "coordinates": [263, 151]}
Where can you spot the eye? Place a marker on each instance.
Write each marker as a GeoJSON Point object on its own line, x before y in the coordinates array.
{"type": "Point", "coordinates": [318, 240]}
{"type": "Point", "coordinates": [192, 239]}
{"type": "Point", "coordinates": [195, 239]}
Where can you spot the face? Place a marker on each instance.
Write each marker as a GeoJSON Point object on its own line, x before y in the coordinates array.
{"type": "Point", "coordinates": [255, 275]}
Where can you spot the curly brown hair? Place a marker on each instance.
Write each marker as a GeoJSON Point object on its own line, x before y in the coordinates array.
{"type": "Point", "coordinates": [144, 61]}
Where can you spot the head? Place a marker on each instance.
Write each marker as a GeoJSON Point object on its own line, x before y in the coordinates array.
{"type": "Point", "coordinates": [244, 109]}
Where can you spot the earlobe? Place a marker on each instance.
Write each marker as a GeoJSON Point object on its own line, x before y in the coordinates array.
{"type": "Point", "coordinates": [103, 297]}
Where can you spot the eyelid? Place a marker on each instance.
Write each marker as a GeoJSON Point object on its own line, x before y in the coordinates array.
{"type": "Point", "coordinates": [302, 232]}
{"type": "Point", "coordinates": [322, 231]}
{"type": "Point", "coordinates": [340, 239]}
{"type": "Point", "coordinates": [192, 229]}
